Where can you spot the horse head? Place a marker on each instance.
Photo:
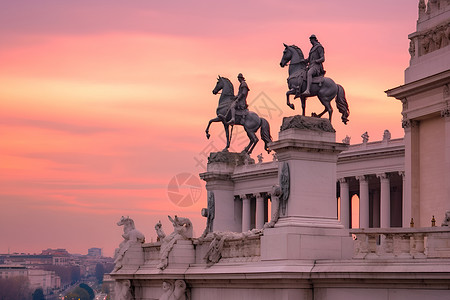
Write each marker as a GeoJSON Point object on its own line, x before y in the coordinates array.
{"type": "Point", "coordinates": [127, 221]}
{"type": "Point", "coordinates": [225, 85]}
{"type": "Point", "coordinates": [291, 54]}
{"type": "Point", "coordinates": [122, 221]}
{"type": "Point", "coordinates": [219, 85]}
{"type": "Point", "coordinates": [287, 56]}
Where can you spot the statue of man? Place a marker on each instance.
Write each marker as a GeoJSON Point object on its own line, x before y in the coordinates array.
{"type": "Point", "coordinates": [241, 99]}
{"type": "Point", "coordinates": [315, 60]}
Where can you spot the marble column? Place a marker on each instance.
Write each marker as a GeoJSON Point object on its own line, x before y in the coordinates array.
{"type": "Point", "coordinates": [385, 201]}
{"type": "Point", "coordinates": [406, 206]}
{"type": "Point", "coordinates": [246, 220]}
{"type": "Point", "coordinates": [363, 201]}
{"type": "Point", "coordinates": [259, 211]}
{"type": "Point", "coordinates": [345, 202]}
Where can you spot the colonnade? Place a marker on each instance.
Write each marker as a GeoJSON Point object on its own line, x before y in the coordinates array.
{"type": "Point", "coordinates": [380, 199]}
{"type": "Point", "coordinates": [254, 210]}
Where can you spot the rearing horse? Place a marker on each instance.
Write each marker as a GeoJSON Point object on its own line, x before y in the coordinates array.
{"type": "Point", "coordinates": [251, 122]}
{"type": "Point", "coordinates": [325, 89]}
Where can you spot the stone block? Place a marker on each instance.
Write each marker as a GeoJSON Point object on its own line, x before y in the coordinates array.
{"type": "Point", "coordinates": [182, 254]}
{"type": "Point", "coordinates": [305, 243]}
{"type": "Point", "coordinates": [133, 257]}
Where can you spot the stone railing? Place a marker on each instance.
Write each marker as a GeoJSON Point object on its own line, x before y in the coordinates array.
{"type": "Point", "coordinates": [241, 250]}
{"type": "Point", "coordinates": [385, 243]}
{"type": "Point", "coordinates": [235, 249]}
{"type": "Point", "coordinates": [151, 251]}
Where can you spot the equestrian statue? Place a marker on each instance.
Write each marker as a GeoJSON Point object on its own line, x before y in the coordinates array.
{"type": "Point", "coordinates": [306, 79]}
{"type": "Point", "coordinates": [233, 110]}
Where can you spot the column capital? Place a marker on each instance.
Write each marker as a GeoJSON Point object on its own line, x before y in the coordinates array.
{"type": "Point", "coordinates": [408, 123]}
{"type": "Point", "coordinates": [244, 196]}
{"type": "Point", "coordinates": [402, 174]}
{"type": "Point", "coordinates": [383, 176]}
{"type": "Point", "coordinates": [362, 178]}
{"type": "Point", "coordinates": [342, 180]}
{"type": "Point", "coordinates": [445, 113]}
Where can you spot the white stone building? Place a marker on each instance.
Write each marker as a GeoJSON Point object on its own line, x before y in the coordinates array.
{"type": "Point", "coordinates": [309, 250]}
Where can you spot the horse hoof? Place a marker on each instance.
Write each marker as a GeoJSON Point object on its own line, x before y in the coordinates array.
{"type": "Point", "coordinates": [208, 136]}
{"type": "Point", "coordinates": [291, 106]}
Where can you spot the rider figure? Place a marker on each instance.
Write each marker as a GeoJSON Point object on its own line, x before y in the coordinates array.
{"type": "Point", "coordinates": [241, 99]}
{"type": "Point", "coordinates": [315, 60]}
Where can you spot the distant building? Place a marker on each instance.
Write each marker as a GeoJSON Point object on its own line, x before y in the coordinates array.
{"type": "Point", "coordinates": [8, 271]}
{"type": "Point", "coordinates": [95, 252]}
{"type": "Point", "coordinates": [47, 280]}
{"type": "Point", "coordinates": [60, 257]}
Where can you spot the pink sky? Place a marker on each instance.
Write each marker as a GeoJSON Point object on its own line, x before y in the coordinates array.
{"type": "Point", "coordinates": [103, 102]}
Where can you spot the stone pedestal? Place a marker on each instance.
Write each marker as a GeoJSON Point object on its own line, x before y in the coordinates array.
{"type": "Point", "coordinates": [310, 228]}
{"type": "Point", "coordinates": [308, 146]}
{"type": "Point", "coordinates": [220, 167]}
{"type": "Point", "coordinates": [133, 258]}
{"type": "Point", "coordinates": [182, 254]}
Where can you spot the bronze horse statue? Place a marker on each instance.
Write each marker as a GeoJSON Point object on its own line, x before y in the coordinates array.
{"type": "Point", "coordinates": [322, 87]}
{"type": "Point", "coordinates": [251, 122]}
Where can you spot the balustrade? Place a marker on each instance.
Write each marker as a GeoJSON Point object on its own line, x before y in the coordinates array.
{"type": "Point", "coordinates": [385, 243]}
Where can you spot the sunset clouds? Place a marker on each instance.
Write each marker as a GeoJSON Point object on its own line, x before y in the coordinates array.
{"type": "Point", "coordinates": [103, 102]}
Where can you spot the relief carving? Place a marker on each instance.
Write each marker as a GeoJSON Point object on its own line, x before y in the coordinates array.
{"type": "Point", "coordinates": [412, 48]}
{"type": "Point", "coordinates": [431, 40]}
{"type": "Point", "coordinates": [407, 123]}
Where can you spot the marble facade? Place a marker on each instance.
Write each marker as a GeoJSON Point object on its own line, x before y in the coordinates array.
{"type": "Point", "coordinates": [313, 250]}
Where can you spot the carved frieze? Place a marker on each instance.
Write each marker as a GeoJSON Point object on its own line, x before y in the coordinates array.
{"type": "Point", "coordinates": [430, 40]}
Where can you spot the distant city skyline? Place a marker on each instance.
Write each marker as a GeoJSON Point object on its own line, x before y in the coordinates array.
{"type": "Point", "coordinates": [103, 104]}
{"type": "Point", "coordinates": [90, 251]}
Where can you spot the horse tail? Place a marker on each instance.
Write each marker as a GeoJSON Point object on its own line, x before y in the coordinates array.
{"type": "Point", "coordinates": [265, 134]}
{"type": "Point", "coordinates": [342, 104]}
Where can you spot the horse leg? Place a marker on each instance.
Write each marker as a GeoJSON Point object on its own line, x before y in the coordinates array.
{"type": "Point", "coordinates": [321, 114]}
{"type": "Point", "coordinates": [248, 147]}
{"type": "Point", "coordinates": [216, 119]}
{"type": "Point", "coordinates": [288, 102]}
{"type": "Point", "coordinates": [254, 139]}
{"type": "Point", "coordinates": [250, 143]}
{"type": "Point", "coordinates": [303, 100]}
{"type": "Point", "coordinates": [227, 134]}
{"type": "Point", "coordinates": [326, 102]}
{"type": "Point", "coordinates": [330, 110]}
